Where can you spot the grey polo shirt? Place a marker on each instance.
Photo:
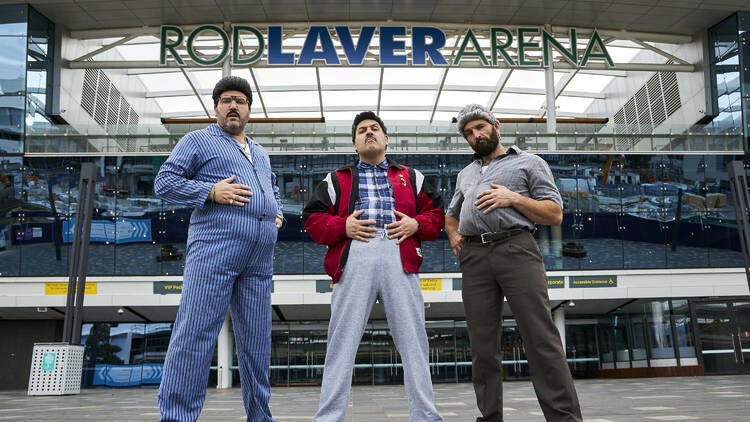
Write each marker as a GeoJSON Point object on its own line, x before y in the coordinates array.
{"type": "Point", "coordinates": [521, 172]}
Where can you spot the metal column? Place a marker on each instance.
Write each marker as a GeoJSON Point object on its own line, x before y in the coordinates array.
{"type": "Point", "coordinates": [549, 87]}
{"type": "Point", "coordinates": [80, 255]}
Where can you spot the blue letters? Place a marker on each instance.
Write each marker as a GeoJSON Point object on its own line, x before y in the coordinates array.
{"type": "Point", "coordinates": [355, 55]}
{"type": "Point", "coordinates": [275, 56]}
{"type": "Point", "coordinates": [388, 45]}
{"type": "Point", "coordinates": [328, 53]}
{"type": "Point", "coordinates": [419, 36]}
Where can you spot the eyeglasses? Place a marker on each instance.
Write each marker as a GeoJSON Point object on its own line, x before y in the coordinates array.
{"type": "Point", "coordinates": [227, 99]}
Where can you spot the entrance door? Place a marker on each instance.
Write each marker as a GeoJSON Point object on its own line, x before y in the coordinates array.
{"type": "Point", "coordinates": [515, 365]}
{"type": "Point", "coordinates": [741, 312]}
{"type": "Point", "coordinates": [724, 331]}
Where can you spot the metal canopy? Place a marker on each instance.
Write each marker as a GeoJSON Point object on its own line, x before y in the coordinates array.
{"type": "Point", "coordinates": [406, 93]}
{"type": "Point", "coordinates": [668, 16]}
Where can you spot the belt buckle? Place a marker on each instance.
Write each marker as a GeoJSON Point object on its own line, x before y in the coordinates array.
{"type": "Point", "coordinates": [485, 242]}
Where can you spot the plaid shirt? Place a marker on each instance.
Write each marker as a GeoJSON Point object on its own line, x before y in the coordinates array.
{"type": "Point", "coordinates": [375, 194]}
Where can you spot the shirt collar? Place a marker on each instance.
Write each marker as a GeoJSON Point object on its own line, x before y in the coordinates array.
{"type": "Point", "coordinates": [383, 165]}
{"type": "Point", "coordinates": [510, 150]}
{"type": "Point", "coordinates": [214, 129]}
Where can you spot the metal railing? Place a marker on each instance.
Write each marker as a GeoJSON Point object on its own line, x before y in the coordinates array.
{"type": "Point", "coordinates": [307, 138]}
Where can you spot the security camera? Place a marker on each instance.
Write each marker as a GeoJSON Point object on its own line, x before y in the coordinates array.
{"type": "Point", "coordinates": [121, 311]}
{"type": "Point", "coordinates": [571, 304]}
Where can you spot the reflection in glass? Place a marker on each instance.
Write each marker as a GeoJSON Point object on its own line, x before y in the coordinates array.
{"type": "Point", "coordinates": [724, 55]}
{"type": "Point", "coordinates": [11, 123]}
{"type": "Point", "coordinates": [440, 335]}
{"type": "Point", "coordinates": [279, 370]}
{"type": "Point", "coordinates": [684, 327]}
{"type": "Point", "coordinates": [620, 325]}
{"type": "Point", "coordinates": [742, 320]}
{"type": "Point", "coordinates": [515, 363]}
{"type": "Point", "coordinates": [581, 350]}
{"type": "Point", "coordinates": [606, 343]}
{"type": "Point", "coordinates": [463, 353]}
{"type": "Point", "coordinates": [715, 332]}
{"type": "Point", "coordinates": [639, 340]}
{"type": "Point", "coordinates": [47, 204]}
{"type": "Point", "coordinates": [307, 351]}
{"type": "Point", "coordinates": [659, 330]}
{"type": "Point", "coordinates": [11, 219]}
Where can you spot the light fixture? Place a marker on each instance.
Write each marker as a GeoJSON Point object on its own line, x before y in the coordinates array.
{"type": "Point", "coordinates": [571, 304]}
{"type": "Point", "coordinates": [121, 311]}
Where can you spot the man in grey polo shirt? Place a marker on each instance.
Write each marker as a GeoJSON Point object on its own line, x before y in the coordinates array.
{"type": "Point", "coordinates": [490, 224]}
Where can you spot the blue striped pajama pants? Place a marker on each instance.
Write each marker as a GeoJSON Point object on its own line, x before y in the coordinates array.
{"type": "Point", "coordinates": [232, 272]}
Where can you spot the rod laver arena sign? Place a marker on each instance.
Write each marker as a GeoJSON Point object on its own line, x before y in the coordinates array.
{"type": "Point", "coordinates": [517, 47]}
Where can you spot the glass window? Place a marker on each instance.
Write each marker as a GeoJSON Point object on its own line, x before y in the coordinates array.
{"type": "Point", "coordinates": [684, 326]}
{"type": "Point", "coordinates": [137, 218]}
{"type": "Point", "coordinates": [13, 19]}
{"type": "Point", "coordinates": [659, 330]}
{"type": "Point", "coordinates": [463, 353]}
{"type": "Point", "coordinates": [11, 224]}
{"type": "Point", "coordinates": [724, 54]}
{"type": "Point", "coordinates": [279, 370]}
{"type": "Point", "coordinates": [47, 206]}
{"type": "Point", "coordinates": [606, 342]}
{"type": "Point", "coordinates": [620, 324]}
{"type": "Point", "coordinates": [13, 70]}
{"type": "Point", "coordinates": [11, 124]}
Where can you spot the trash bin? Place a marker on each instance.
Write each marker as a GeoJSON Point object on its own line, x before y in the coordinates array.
{"type": "Point", "coordinates": [55, 369]}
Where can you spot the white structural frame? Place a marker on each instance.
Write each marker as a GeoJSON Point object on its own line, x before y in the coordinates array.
{"type": "Point", "coordinates": [638, 40]}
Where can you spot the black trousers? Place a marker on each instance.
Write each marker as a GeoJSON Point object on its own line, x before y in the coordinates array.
{"type": "Point", "coordinates": [513, 268]}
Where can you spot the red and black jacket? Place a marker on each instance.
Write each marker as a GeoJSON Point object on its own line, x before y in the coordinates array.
{"type": "Point", "coordinates": [333, 200]}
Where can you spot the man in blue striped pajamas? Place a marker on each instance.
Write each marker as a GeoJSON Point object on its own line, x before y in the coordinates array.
{"type": "Point", "coordinates": [227, 178]}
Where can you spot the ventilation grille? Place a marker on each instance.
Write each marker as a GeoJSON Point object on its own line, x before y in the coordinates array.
{"type": "Point", "coordinates": [652, 104]}
{"type": "Point", "coordinates": [103, 101]}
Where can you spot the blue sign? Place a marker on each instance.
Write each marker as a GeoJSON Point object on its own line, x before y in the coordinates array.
{"type": "Point", "coordinates": [126, 230]}
{"type": "Point", "coordinates": [48, 362]}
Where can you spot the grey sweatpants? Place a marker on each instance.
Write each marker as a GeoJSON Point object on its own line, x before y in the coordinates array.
{"type": "Point", "coordinates": [373, 269]}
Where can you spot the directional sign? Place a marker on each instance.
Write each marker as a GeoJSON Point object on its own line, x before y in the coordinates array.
{"type": "Point", "coordinates": [593, 281]}
{"type": "Point", "coordinates": [167, 287]}
{"type": "Point", "coordinates": [126, 230]}
{"type": "Point", "coordinates": [555, 282]}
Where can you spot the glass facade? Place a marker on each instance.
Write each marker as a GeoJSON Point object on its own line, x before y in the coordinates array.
{"type": "Point", "coordinates": [641, 334]}
{"type": "Point", "coordinates": [623, 212]}
{"type": "Point", "coordinates": [25, 75]}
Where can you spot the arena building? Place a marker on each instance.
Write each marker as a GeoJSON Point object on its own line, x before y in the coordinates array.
{"type": "Point", "coordinates": [637, 106]}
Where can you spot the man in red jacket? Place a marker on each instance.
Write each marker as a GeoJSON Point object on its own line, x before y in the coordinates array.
{"type": "Point", "coordinates": [372, 216]}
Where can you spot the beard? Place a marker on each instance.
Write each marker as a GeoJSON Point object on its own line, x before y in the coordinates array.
{"type": "Point", "coordinates": [233, 127]}
{"type": "Point", "coordinates": [486, 146]}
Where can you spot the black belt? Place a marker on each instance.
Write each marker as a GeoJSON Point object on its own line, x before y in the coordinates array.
{"type": "Point", "coordinates": [490, 237]}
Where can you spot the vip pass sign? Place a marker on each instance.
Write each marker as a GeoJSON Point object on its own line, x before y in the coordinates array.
{"type": "Point", "coordinates": [514, 47]}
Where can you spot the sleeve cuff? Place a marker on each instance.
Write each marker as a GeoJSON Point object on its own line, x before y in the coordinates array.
{"type": "Point", "coordinates": [203, 192]}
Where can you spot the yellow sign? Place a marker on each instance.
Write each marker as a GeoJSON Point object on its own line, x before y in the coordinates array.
{"type": "Point", "coordinates": [54, 288]}
{"type": "Point", "coordinates": [431, 284]}
{"type": "Point", "coordinates": [594, 281]}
